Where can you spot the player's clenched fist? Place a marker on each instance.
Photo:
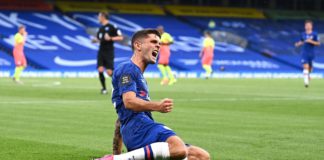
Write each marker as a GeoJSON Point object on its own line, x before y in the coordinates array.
{"type": "Point", "coordinates": [166, 105]}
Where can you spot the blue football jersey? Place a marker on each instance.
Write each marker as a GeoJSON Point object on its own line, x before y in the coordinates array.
{"type": "Point", "coordinates": [138, 129]}
{"type": "Point", "coordinates": [307, 48]}
{"type": "Point", "coordinates": [128, 77]}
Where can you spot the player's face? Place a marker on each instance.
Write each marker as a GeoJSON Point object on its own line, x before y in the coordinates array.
{"type": "Point", "coordinates": [160, 29]}
{"type": "Point", "coordinates": [151, 48]}
{"type": "Point", "coordinates": [100, 18]}
{"type": "Point", "coordinates": [308, 26]}
{"type": "Point", "coordinates": [22, 30]}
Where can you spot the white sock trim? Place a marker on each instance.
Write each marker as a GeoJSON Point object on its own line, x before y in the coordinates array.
{"type": "Point", "coordinates": [306, 76]}
{"type": "Point", "coordinates": [161, 150]}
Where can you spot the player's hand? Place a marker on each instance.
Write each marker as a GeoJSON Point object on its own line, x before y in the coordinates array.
{"type": "Point", "coordinates": [297, 44]}
{"type": "Point", "coordinates": [166, 105]}
{"type": "Point", "coordinates": [94, 40]}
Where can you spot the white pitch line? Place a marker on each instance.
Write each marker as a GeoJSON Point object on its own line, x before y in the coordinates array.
{"type": "Point", "coordinates": [56, 83]}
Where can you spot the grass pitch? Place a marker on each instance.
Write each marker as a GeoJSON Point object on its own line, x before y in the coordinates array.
{"type": "Point", "coordinates": [234, 119]}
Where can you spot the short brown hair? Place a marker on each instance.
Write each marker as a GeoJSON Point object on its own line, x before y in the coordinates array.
{"type": "Point", "coordinates": [21, 27]}
{"type": "Point", "coordinates": [104, 14]}
{"type": "Point", "coordinates": [308, 21]}
{"type": "Point", "coordinates": [143, 34]}
{"type": "Point", "coordinates": [208, 33]}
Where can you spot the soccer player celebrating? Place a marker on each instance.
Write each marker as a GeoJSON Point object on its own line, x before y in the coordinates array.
{"type": "Point", "coordinates": [164, 57]}
{"type": "Point", "coordinates": [18, 53]}
{"type": "Point", "coordinates": [309, 39]}
{"type": "Point", "coordinates": [106, 35]}
{"type": "Point", "coordinates": [207, 53]}
{"type": "Point", "coordinates": [144, 138]}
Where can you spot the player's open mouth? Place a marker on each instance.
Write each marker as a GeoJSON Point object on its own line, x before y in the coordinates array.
{"type": "Point", "coordinates": [155, 53]}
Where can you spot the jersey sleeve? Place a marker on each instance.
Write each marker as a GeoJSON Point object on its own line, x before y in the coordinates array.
{"type": "Point", "coordinates": [119, 33]}
{"type": "Point", "coordinates": [116, 31]}
{"type": "Point", "coordinates": [205, 43]}
{"type": "Point", "coordinates": [166, 38]}
{"type": "Point", "coordinates": [302, 38]}
{"type": "Point", "coordinates": [127, 83]}
{"type": "Point", "coordinates": [100, 34]}
{"type": "Point", "coordinates": [208, 42]}
{"type": "Point", "coordinates": [170, 38]}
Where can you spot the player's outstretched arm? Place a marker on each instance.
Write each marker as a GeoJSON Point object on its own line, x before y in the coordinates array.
{"type": "Point", "coordinates": [316, 43]}
{"type": "Point", "coordinates": [299, 43]}
{"type": "Point", "coordinates": [115, 38]}
{"type": "Point", "coordinates": [117, 141]}
{"type": "Point", "coordinates": [94, 40]}
{"type": "Point", "coordinates": [138, 105]}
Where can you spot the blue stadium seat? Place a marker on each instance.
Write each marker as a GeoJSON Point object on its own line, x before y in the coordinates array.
{"type": "Point", "coordinates": [58, 42]}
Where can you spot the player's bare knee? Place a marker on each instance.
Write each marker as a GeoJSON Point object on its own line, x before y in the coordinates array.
{"type": "Point", "coordinates": [109, 72]}
{"type": "Point", "coordinates": [178, 153]}
{"type": "Point", "coordinates": [205, 156]}
{"type": "Point", "coordinates": [177, 148]}
{"type": "Point", "coordinates": [100, 69]}
{"type": "Point", "coordinates": [181, 153]}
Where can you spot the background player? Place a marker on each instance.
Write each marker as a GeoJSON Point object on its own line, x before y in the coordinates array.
{"type": "Point", "coordinates": [143, 137]}
{"type": "Point", "coordinates": [18, 53]}
{"type": "Point", "coordinates": [164, 57]}
{"type": "Point", "coordinates": [309, 39]}
{"type": "Point", "coordinates": [106, 35]}
{"type": "Point", "coordinates": [207, 53]}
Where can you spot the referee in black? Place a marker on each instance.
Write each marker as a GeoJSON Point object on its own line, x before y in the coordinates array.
{"type": "Point", "coordinates": [106, 35]}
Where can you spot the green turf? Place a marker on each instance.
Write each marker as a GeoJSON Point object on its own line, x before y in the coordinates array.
{"type": "Point", "coordinates": [238, 119]}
